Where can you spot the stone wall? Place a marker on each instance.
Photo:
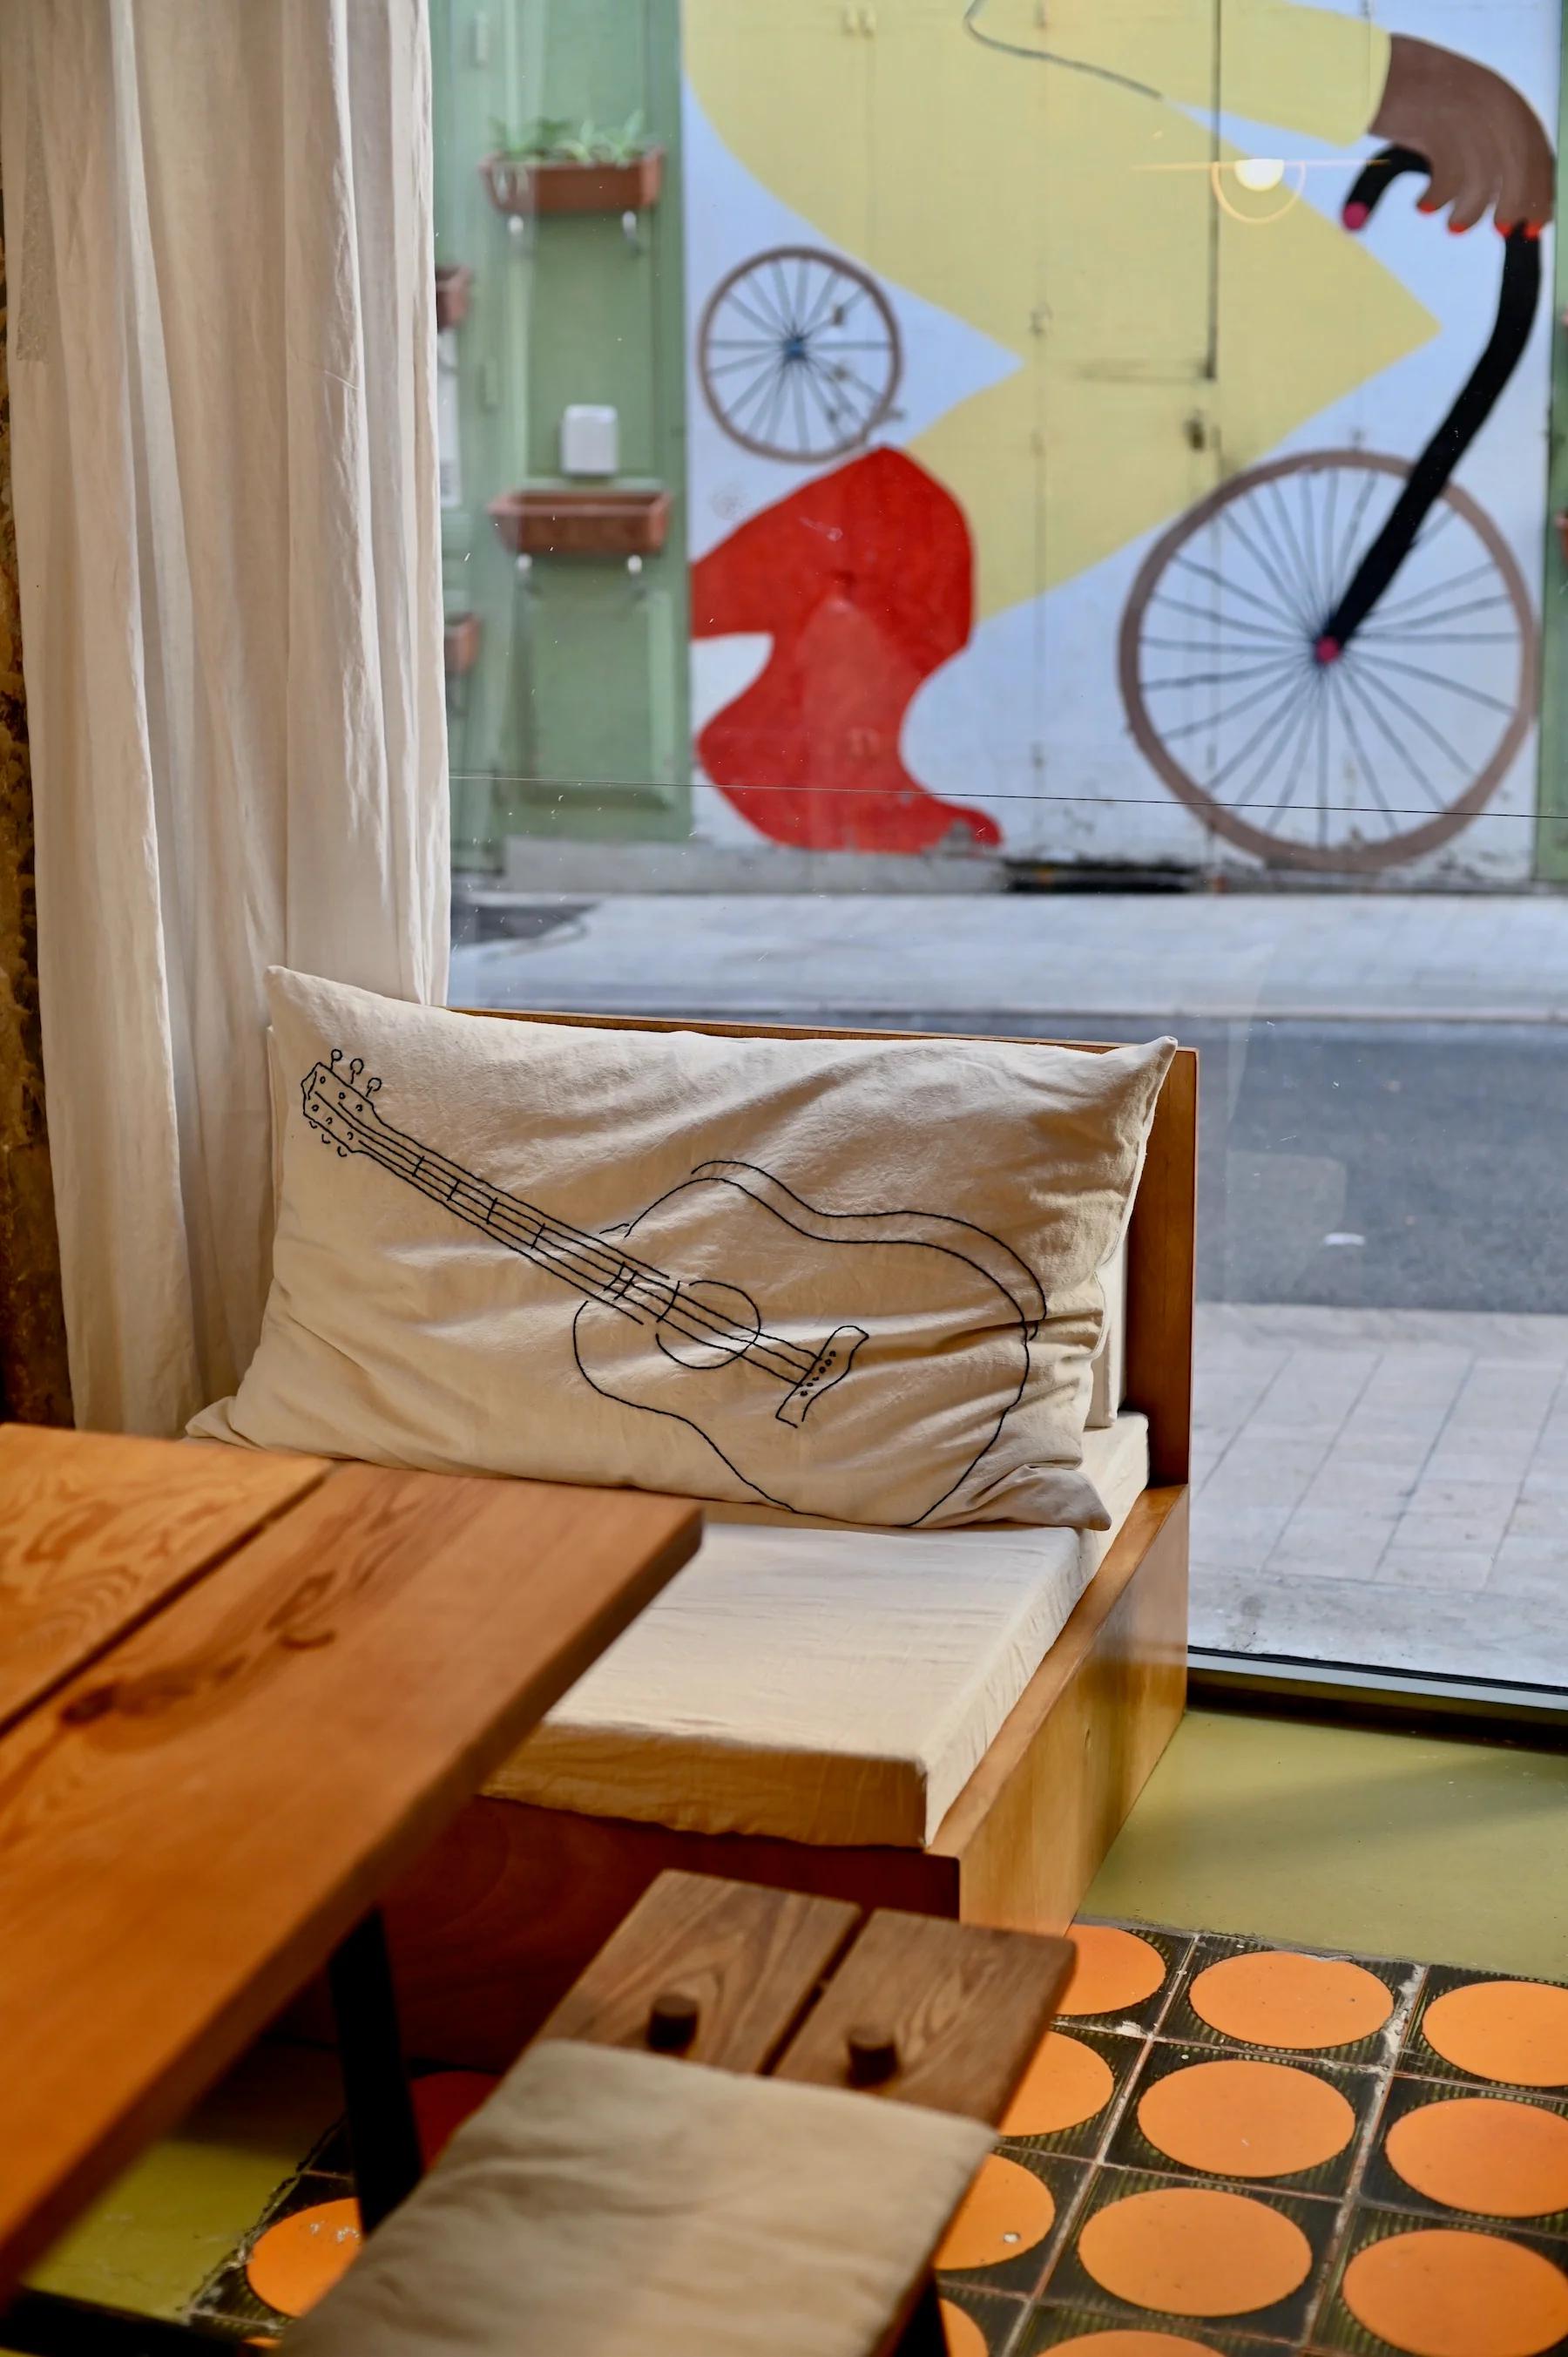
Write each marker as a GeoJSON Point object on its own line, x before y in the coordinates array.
{"type": "Point", "coordinates": [34, 1384]}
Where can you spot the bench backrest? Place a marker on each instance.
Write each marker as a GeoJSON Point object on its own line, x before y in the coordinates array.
{"type": "Point", "coordinates": [1161, 1244]}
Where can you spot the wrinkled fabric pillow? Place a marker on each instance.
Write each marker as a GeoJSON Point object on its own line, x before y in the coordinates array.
{"type": "Point", "coordinates": [852, 1278]}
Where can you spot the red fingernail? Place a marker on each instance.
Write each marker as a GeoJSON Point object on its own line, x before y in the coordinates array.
{"type": "Point", "coordinates": [1355, 216]}
{"type": "Point", "coordinates": [1423, 207]}
{"type": "Point", "coordinates": [1532, 229]}
{"type": "Point", "coordinates": [1458, 228]}
{"type": "Point", "coordinates": [1505, 229]}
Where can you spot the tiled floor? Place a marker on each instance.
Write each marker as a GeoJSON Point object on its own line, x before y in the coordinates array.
{"type": "Point", "coordinates": [1050, 2287]}
{"type": "Point", "coordinates": [1383, 1487]}
{"type": "Point", "coordinates": [1327, 1837]}
{"type": "Point", "coordinates": [1281, 2231]}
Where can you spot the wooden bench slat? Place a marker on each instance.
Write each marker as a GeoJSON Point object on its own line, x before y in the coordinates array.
{"type": "Point", "coordinates": [100, 1532]}
{"type": "Point", "coordinates": [967, 2007]}
{"type": "Point", "coordinates": [752, 1958]}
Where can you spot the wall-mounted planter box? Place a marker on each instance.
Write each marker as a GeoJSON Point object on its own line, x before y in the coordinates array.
{"type": "Point", "coordinates": [569, 522]}
{"type": "Point", "coordinates": [461, 644]}
{"type": "Point", "coordinates": [452, 281]}
{"type": "Point", "coordinates": [559, 185]}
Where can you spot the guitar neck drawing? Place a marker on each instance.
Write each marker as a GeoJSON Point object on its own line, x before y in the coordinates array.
{"type": "Point", "coordinates": [591, 1265]}
{"type": "Point", "coordinates": [677, 1335]}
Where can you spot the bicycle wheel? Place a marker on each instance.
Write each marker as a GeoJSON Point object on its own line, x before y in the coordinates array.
{"type": "Point", "coordinates": [1374, 757]}
{"type": "Point", "coordinates": [798, 355]}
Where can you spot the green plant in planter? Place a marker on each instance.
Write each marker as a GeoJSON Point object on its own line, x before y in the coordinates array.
{"type": "Point", "coordinates": [557, 139]}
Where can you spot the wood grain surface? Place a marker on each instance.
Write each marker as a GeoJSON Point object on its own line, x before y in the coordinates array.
{"type": "Point", "coordinates": [750, 1958]}
{"type": "Point", "coordinates": [964, 2007]}
{"type": "Point", "coordinates": [97, 1531]}
{"type": "Point", "coordinates": [188, 1828]}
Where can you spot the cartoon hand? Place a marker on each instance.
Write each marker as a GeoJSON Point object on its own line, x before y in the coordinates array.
{"type": "Point", "coordinates": [1486, 146]}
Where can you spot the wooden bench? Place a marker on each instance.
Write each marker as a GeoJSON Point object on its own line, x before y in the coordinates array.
{"type": "Point", "coordinates": [506, 1909]}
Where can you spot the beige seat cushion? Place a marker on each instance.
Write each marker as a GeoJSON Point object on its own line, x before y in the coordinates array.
{"type": "Point", "coordinates": [827, 1686]}
{"type": "Point", "coordinates": [611, 2204]}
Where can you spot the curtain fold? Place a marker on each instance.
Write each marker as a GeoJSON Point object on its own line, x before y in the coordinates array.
{"type": "Point", "coordinates": [223, 350]}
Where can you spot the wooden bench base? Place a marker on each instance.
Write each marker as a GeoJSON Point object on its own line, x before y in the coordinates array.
{"type": "Point", "coordinates": [500, 1917]}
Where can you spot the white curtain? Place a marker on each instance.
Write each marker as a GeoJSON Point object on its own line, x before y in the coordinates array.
{"type": "Point", "coordinates": [222, 345]}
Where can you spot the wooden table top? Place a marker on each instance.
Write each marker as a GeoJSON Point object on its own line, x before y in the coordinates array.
{"type": "Point", "coordinates": [239, 1694]}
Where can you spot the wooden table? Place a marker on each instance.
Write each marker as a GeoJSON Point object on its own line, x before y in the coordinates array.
{"type": "Point", "coordinates": [237, 1694]}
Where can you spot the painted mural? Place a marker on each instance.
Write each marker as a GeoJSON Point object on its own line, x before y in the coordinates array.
{"type": "Point", "coordinates": [1085, 467]}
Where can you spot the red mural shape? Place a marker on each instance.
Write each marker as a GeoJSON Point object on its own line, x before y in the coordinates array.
{"type": "Point", "coordinates": [864, 581]}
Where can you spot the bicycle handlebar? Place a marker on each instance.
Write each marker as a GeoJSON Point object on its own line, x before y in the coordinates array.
{"type": "Point", "coordinates": [1517, 303]}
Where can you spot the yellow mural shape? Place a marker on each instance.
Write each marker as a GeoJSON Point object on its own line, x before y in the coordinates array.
{"type": "Point", "coordinates": [1033, 170]}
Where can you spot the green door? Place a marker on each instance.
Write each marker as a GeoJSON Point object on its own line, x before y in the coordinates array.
{"type": "Point", "coordinates": [571, 719]}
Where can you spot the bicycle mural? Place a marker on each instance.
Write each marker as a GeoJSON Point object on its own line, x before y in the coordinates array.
{"type": "Point", "coordinates": [1067, 477]}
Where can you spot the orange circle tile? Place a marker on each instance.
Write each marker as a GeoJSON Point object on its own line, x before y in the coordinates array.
{"type": "Point", "coordinates": [1065, 2083]}
{"type": "Point", "coordinates": [1444, 2294]}
{"type": "Point", "coordinates": [1506, 2161]}
{"type": "Point", "coordinates": [1005, 2211]}
{"type": "Point", "coordinates": [1247, 2119]}
{"type": "Point", "coordinates": [1515, 2030]}
{"type": "Point", "coordinates": [1279, 1999]}
{"type": "Point", "coordinates": [296, 2262]}
{"type": "Point", "coordinates": [443, 2100]}
{"type": "Point", "coordinates": [964, 2337]}
{"type": "Point", "coordinates": [1133, 2344]}
{"type": "Point", "coordinates": [1196, 2253]}
{"type": "Point", "coordinates": [1115, 1970]}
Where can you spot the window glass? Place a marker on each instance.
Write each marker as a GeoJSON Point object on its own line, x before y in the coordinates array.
{"type": "Point", "coordinates": [1027, 518]}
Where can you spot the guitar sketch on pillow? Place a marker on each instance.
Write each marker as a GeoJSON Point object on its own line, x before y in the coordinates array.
{"type": "Point", "coordinates": [739, 1313]}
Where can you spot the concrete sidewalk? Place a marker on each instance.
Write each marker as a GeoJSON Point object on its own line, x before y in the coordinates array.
{"type": "Point", "coordinates": [1387, 1488]}
{"type": "Point", "coordinates": [1224, 956]}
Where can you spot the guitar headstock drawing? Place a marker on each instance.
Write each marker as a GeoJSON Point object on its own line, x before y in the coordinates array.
{"type": "Point", "coordinates": [337, 1103]}
{"type": "Point", "coordinates": [681, 1333]}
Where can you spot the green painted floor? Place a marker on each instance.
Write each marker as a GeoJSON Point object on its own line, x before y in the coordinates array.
{"type": "Point", "coordinates": [1395, 1845]}
{"type": "Point", "coordinates": [1343, 1837]}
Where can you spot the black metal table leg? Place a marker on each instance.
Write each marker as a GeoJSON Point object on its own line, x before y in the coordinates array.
{"type": "Point", "coordinates": [381, 2131]}
{"type": "Point", "coordinates": [924, 2335]}
{"type": "Point", "coordinates": [45, 2324]}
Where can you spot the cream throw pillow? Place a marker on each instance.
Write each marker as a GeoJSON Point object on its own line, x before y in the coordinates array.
{"type": "Point", "coordinates": [852, 1278]}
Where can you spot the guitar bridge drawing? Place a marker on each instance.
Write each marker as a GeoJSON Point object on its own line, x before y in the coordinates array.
{"type": "Point", "coordinates": [791, 1399]}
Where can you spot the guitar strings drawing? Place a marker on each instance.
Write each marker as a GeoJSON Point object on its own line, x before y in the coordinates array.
{"type": "Point", "coordinates": [692, 1345]}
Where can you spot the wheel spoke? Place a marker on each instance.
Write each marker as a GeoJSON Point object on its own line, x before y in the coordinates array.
{"type": "Point", "coordinates": [763, 317]}
{"type": "Point", "coordinates": [1278, 729]}
{"type": "Point", "coordinates": [1413, 626]}
{"type": "Point", "coordinates": [1228, 516]}
{"type": "Point", "coordinates": [1391, 736]}
{"type": "Point", "coordinates": [1352, 535]}
{"type": "Point", "coordinates": [1294, 734]}
{"type": "Point", "coordinates": [1216, 720]}
{"type": "Point", "coordinates": [1402, 704]}
{"type": "Point", "coordinates": [1360, 760]}
{"type": "Point", "coordinates": [822, 304]}
{"type": "Point", "coordinates": [791, 324]}
{"type": "Point", "coordinates": [1191, 564]}
{"type": "Point", "coordinates": [1291, 598]}
{"type": "Point", "coordinates": [1443, 678]}
{"type": "Point", "coordinates": [1237, 622]}
{"type": "Point", "coordinates": [829, 420]}
{"type": "Point", "coordinates": [1436, 589]}
{"type": "Point", "coordinates": [1309, 540]}
{"type": "Point", "coordinates": [1225, 678]}
{"type": "Point", "coordinates": [1209, 652]}
{"type": "Point", "coordinates": [757, 393]}
{"type": "Point", "coordinates": [1437, 639]}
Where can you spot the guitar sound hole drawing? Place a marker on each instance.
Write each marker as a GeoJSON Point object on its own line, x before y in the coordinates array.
{"type": "Point", "coordinates": [789, 1339]}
